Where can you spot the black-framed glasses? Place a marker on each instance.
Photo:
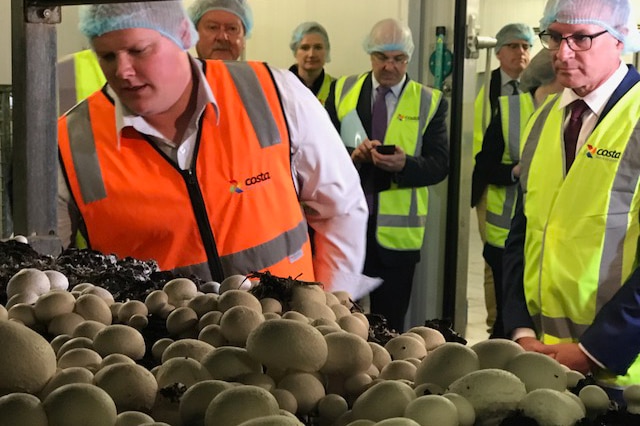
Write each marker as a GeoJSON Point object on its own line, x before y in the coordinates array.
{"type": "Point", "coordinates": [524, 46]}
{"type": "Point", "coordinates": [576, 42]}
{"type": "Point", "coordinates": [381, 58]}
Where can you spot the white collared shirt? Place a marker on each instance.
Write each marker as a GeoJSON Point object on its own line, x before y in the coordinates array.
{"type": "Point", "coordinates": [505, 88]}
{"type": "Point", "coordinates": [596, 101]}
{"type": "Point", "coordinates": [181, 153]}
{"type": "Point", "coordinates": [325, 178]}
{"type": "Point", "coordinates": [392, 97]}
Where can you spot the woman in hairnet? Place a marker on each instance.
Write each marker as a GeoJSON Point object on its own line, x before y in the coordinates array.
{"type": "Point", "coordinates": [311, 48]}
{"type": "Point", "coordinates": [539, 78]}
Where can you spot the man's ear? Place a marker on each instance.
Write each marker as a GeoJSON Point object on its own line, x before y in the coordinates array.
{"type": "Point", "coordinates": [186, 34]}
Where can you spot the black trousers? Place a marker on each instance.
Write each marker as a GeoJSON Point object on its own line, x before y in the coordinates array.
{"type": "Point", "coordinates": [493, 256]}
{"type": "Point", "coordinates": [391, 299]}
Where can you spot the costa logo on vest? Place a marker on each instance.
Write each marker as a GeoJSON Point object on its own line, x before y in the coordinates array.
{"type": "Point", "coordinates": [235, 187]}
{"type": "Point", "coordinates": [603, 154]}
{"type": "Point", "coordinates": [407, 117]}
{"type": "Point", "coordinates": [253, 180]}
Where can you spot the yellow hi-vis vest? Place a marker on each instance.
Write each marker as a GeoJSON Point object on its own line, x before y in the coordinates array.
{"type": "Point", "coordinates": [479, 123]}
{"type": "Point", "coordinates": [501, 200]}
{"type": "Point", "coordinates": [581, 241]}
{"type": "Point", "coordinates": [323, 93]}
{"type": "Point", "coordinates": [79, 75]}
{"type": "Point", "coordinates": [402, 212]}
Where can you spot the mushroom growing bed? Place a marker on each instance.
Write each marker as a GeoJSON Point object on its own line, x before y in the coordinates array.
{"type": "Point", "coordinates": [131, 345]}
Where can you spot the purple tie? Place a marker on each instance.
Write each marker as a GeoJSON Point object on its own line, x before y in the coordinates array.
{"type": "Point", "coordinates": [571, 132]}
{"type": "Point", "coordinates": [379, 114]}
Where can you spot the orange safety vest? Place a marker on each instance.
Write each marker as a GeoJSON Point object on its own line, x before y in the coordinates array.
{"type": "Point", "coordinates": [238, 203]}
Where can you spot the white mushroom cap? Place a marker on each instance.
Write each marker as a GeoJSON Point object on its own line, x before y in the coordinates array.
{"type": "Point", "coordinates": [551, 407]}
{"type": "Point", "coordinates": [28, 280]}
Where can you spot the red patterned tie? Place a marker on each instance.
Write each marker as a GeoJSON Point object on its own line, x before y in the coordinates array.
{"type": "Point", "coordinates": [379, 114]}
{"type": "Point", "coordinates": [571, 132]}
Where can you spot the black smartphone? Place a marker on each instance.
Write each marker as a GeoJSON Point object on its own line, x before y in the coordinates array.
{"type": "Point", "coordinates": [386, 149]}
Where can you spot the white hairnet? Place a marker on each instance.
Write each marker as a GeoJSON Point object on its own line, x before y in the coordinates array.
{"type": "Point", "coordinates": [310, 27]}
{"type": "Point", "coordinates": [615, 16]}
{"type": "Point", "coordinates": [511, 32]}
{"type": "Point", "coordinates": [389, 34]}
{"type": "Point", "coordinates": [167, 17]}
{"type": "Point", "coordinates": [240, 8]}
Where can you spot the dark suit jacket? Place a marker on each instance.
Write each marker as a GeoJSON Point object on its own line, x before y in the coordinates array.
{"type": "Point", "coordinates": [489, 168]}
{"type": "Point", "coordinates": [614, 336]}
{"type": "Point", "coordinates": [479, 179]}
{"type": "Point", "coordinates": [429, 168]}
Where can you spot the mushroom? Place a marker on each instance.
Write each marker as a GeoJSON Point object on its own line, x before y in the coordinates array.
{"type": "Point", "coordinates": [550, 407]}
{"type": "Point", "coordinates": [493, 393]}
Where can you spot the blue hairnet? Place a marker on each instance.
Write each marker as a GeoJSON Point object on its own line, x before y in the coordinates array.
{"type": "Point", "coordinates": [310, 27]}
{"type": "Point", "coordinates": [166, 17]}
{"type": "Point", "coordinates": [240, 8]}
{"type": "Point", "coordinates": [615, 16]}
{"type": "Point", "coordinates": [511, 32]}
{"type": "Point", "coordinates": [389, 34]}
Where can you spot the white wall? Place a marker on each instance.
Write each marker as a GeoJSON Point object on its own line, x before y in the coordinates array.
{"type": "Point", "coordinates": [347, 23]}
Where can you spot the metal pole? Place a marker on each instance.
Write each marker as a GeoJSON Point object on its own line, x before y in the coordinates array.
{"type": "Point", "coordinates": [454, 292]}
{"type": "Point", "coordinates": [486, 107]}
{"type": "Point", "coordinates": [34, 51]}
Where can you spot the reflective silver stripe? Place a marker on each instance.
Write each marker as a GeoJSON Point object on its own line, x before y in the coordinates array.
{"type": "Point", "coordinates": [425, 106]}
{"type": "Point", "coordinates": [562, 328]}
{"type": "Point", "coordinates": [67, 93]}
{"type": "Point", "coordinates": [255, 102]}
{"type": "Point", "coordinates": [621, 198]}
{"type": "Point", "coordinates": [503, 220]}
{"type": "Point", "coordinates": [514, 127]}
{"type": "Point", "coordinates": [201, 270]}
{"type": "Point", "coordinates": [256, 258]}
{"type": "Point", "coordinates": [411, 220]}
{"type": "Point", "coordinates": [532, 143]}
{"type": "Point", "coordinates": [621, 195]}
{"type": "Point", "coordinates": [83, 152]}
{"type": "Point", "coordinates": [398, 221]}
{"type": "Point", "coordinates": [263, 256]}
{"type": "Point", "coordinates": [349, 82]}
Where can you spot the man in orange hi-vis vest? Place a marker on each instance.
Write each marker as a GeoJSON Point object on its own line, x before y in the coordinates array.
{"type": "Point", "coordinates": [203, 165]}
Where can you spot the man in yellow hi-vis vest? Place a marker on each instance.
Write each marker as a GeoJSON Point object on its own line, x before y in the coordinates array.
{"type": "Point", "coordinates": [513, 43]}
{"type": "Point", "coordinates": [384, 109]}
{"type": "Point", "coordinates": [498, 162]}
{"type": "Point", "coordinates": [571, 259]}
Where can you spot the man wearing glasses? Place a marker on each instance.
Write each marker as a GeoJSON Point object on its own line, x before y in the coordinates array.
{"type": "Point", "coordinates": [223, 26]}
{"type": "Point", "coordinates": [571, 277]}
{"type": "Point", "coordinates": [513, 50]}
{"type": "Point", "coordinates": [404, 150]}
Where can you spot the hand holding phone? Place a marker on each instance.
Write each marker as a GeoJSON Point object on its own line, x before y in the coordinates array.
{"type": "Point", "coordinates": [386, 149]}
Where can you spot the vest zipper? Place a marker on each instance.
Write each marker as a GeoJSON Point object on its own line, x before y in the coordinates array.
{"type": "Point", "coordinates": [202, 219]}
